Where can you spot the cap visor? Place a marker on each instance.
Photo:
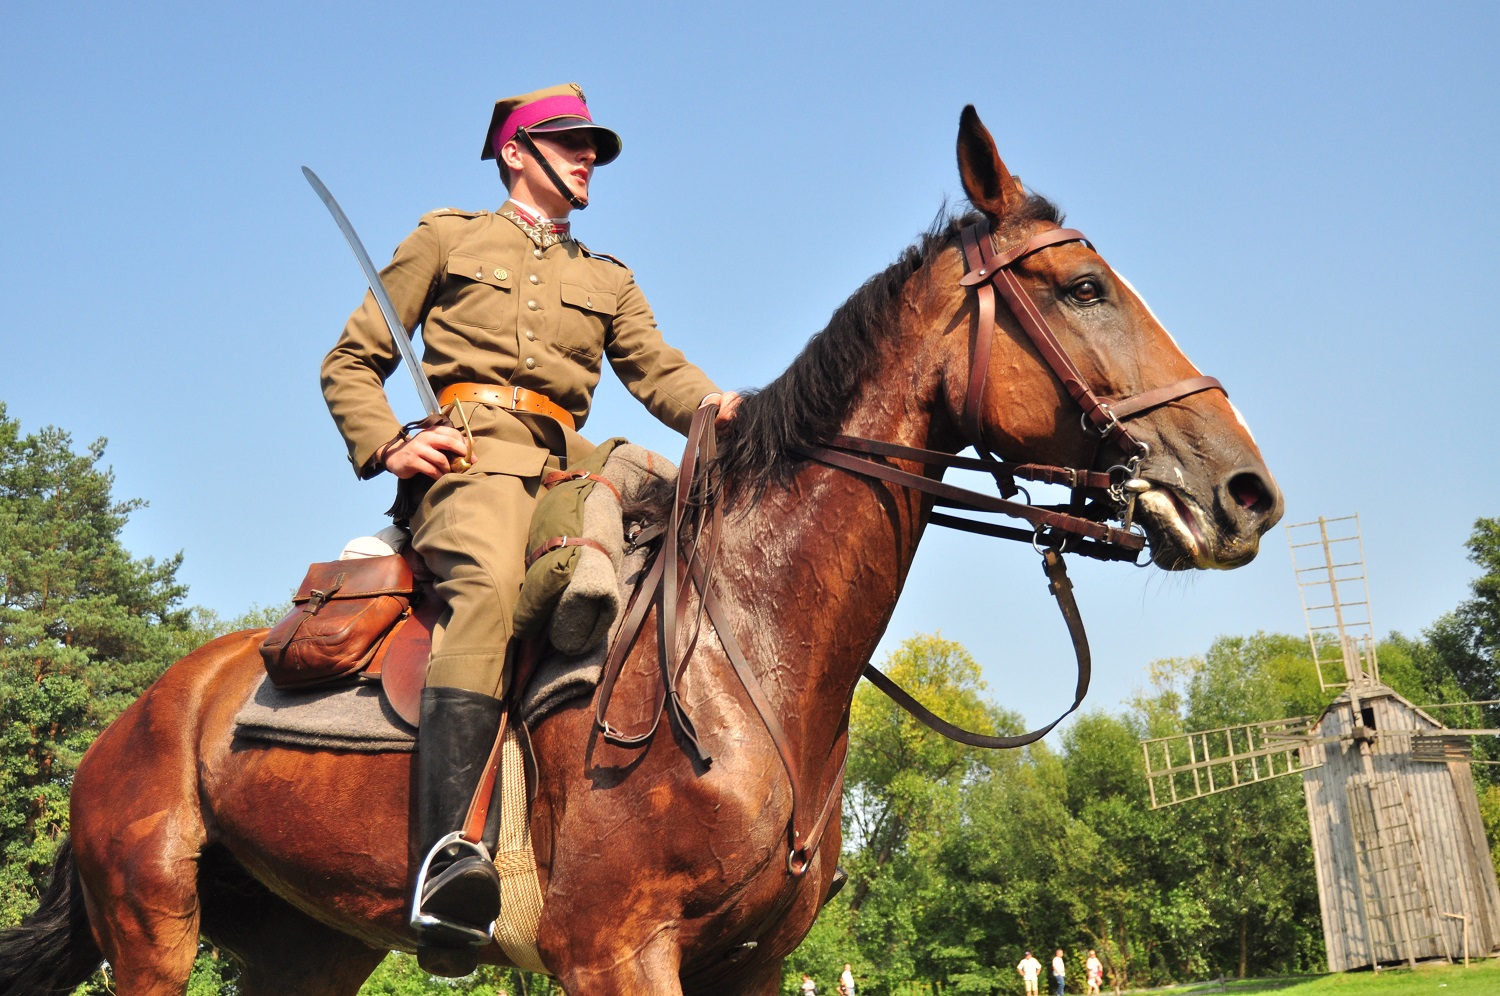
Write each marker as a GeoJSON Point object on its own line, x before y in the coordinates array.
{"type": "Point", "coordinates": [606, 143]}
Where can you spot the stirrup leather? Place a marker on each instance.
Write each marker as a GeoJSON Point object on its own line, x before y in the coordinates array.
{"type": "Point", "coordinates": [433, 927]}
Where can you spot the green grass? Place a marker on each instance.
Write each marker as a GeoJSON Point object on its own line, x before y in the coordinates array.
{"type": "Point", "coordinates": [1481, 978]}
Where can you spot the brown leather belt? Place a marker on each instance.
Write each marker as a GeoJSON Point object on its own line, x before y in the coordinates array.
{"type": "Point", "coordinates": [516, 399]}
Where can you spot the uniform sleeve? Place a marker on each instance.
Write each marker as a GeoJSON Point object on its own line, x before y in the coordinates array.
{"type": "Point", "coordinates": [657, 374]}
{"type": "Point", "coordinates": [354, 371]}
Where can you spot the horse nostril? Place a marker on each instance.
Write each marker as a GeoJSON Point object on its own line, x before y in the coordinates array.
{"type": "Point", "coordinates": [1249, 492]}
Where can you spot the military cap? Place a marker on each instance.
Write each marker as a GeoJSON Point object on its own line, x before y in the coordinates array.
{"type": "Point", "coordinates": [557, 108]}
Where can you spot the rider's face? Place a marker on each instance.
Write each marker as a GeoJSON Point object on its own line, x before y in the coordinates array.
{"type": "Point", "coordinates": [572, 156]}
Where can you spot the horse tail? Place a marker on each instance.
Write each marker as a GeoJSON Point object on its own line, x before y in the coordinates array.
{"type": "Point", "coordinates": [52, 952]}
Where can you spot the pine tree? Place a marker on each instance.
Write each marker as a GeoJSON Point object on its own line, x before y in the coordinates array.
{"type": "Point", "coordinates": [84, 628]}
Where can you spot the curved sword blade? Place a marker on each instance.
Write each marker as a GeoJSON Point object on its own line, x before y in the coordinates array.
{"type": "Point", "coordinates": [393, 320]}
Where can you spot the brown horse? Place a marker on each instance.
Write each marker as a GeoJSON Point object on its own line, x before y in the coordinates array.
{"type": "Point", "coordinates": [659, 875]}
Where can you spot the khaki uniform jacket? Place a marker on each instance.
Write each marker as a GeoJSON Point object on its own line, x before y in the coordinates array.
{"type": "Point", "coordinates": [497, 309]}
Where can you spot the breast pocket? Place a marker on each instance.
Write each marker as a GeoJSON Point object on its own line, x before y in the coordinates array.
{"type": "Point", "coordinates": [586, 316]}
{"type": "Point", "coordinates": [477, 293]}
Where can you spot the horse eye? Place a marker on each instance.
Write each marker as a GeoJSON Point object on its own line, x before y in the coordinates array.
{"type": "Point", "coordinates": [1086, 291]}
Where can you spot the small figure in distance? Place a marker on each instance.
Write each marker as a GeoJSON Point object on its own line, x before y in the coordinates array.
{"type": "Point", "coordinates": [1029, 968]}
{"type": "Point", "coordinates": [1059, 969]}
{"type": "Point", "coordinates": [809, 987]}
{"type": "Point", "coordinates": [1093, 972]}
{"type": "Point", "coordinates": [846, 981]}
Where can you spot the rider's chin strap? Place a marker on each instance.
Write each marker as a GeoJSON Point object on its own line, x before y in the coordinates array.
{"type": "Point", "coordinates": [524, 137]}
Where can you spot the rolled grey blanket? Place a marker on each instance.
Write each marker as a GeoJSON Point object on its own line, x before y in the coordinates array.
{"type": "Point", "coordinates": [587, 610]}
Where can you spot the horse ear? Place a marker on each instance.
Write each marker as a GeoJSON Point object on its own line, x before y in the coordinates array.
{"type": "Point", "coordinates": [986, 180]}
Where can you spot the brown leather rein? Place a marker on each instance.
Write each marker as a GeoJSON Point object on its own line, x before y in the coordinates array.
{"type": "Point", "coordinates": [1084, 529]}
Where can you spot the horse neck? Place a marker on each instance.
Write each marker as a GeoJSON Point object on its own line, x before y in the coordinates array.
{"type": "Point", "coordinates": [817, 565]}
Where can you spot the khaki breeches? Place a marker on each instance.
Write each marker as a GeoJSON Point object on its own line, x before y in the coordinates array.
{"type": "Point", "coordinates": [471, 529]}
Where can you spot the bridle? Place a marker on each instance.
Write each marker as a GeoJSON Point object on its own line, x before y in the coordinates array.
{"type": "Point", "coordinates": [1083, 525]}
{"type": "Point", "coordinates": [1078, 526]}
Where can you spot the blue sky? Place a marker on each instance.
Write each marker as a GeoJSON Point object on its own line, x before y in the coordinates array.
{"type": "Point", "coordinates": [1305, 193]}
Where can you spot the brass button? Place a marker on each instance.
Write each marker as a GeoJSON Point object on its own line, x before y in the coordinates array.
{"type": "Point", "coordinates": [537, 253]}
{"type": "Point", "coordinates": [530, 363]}
{"type": "Point", "coordinates": [531, 335]}
{"type": "Point", "coordinates": [534, 279]}
{"type": "Point", "coordinates": [501, 274]}
{"type": "Point", "coordinates": [532, 305]}
{"type": "Point", "coordinates": [588, 302]}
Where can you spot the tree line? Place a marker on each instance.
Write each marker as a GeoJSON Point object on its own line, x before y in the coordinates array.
{"type": "Point", "coordinates": [959, 859]}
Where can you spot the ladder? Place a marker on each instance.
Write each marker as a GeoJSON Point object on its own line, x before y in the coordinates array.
{"type": "Point", "coordinates": [1401, 923]}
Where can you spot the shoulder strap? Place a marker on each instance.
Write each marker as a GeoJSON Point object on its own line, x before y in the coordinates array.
{"type": "Point", "coordinates": [601, 255]}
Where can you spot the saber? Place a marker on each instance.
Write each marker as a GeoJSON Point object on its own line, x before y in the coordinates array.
{"type": "Point", "coordinates": [398, 330]}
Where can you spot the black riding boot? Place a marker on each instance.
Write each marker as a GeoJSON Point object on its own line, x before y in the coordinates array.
{"type": "Point", "coordinates": [460, 896]}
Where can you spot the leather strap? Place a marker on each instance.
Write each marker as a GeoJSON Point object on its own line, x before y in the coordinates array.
{"type": "Point", "coordinates": [641, 602]}
{"type": "Point", "coordinates": [803, 839]}
{"type": "Point", "coordinates": [696, 514]}
{"type": "Point", "coordinates": [1044, 473]}
{"type": "Point", "coordinates": [980, 342]}
{"type": "Point", "coordinates": [516, 399]}
{"type": "Point", "coordinates": [557, 477]}
{"type": "Point", "coordinates": [699, 513]}
{"type": "Point", "coordinates": [1061, 588]}
{"type": "Point", "coordinates": [484, 793]}
{"type": "Point", "coordinates": [577, 202]}
{"type": "Point", "coordinates": [1140, 403]}
{"type": "Point", "coordinates": [558, 543]}
{"type": "Point", "coordinates": [957, 497]}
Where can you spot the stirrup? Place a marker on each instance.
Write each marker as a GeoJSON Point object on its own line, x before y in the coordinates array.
{"type": "Point", "coordinates": [446, 932]}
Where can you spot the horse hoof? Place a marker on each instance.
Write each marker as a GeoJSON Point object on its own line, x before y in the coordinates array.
{"type": "Point", "coordinates": [450, 963]}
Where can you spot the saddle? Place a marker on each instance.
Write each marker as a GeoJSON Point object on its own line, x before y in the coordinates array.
{"type": "Point", "coordinates": [372, 617]}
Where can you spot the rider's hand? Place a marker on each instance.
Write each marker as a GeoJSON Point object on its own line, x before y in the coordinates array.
{"type": "Point", "coordinates": [727, 402]}
{"type": "Point", "coordinates": [427, 452]}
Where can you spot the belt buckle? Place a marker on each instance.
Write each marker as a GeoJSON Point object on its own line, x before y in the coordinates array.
{"type": "Point", "coordinates": [515, 398]}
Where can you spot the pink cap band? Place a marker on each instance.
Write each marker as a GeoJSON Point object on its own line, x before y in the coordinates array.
{"type": "Point", "coordinates": [538, 111]}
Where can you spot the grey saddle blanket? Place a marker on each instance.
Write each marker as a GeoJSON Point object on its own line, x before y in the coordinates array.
{"type": "Point", "coordinates": [355, 717]}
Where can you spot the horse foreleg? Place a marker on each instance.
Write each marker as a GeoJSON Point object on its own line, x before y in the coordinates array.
{"type": "Point", "coordinates": [650, 969]}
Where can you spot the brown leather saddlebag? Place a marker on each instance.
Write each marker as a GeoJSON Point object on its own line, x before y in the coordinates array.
{"type": "Point", "coordinates": [339, 616]}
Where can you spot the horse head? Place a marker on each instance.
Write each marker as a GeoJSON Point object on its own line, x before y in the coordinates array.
{"type": "Point", "coordinates": [1210, 496]}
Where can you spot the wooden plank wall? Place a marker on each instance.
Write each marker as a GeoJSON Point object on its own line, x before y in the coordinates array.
{"type": "Point", "coordinates": [1333, 844]}
{"type": "Point", "coordinates": [1444, 813]}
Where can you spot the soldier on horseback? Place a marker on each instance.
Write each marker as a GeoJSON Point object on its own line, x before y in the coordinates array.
{"type": "Point", "coordinates": [516, 316]}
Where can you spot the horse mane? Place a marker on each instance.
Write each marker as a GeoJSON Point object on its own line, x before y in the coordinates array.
{"type": "Point", "coordinates": [807, 404]}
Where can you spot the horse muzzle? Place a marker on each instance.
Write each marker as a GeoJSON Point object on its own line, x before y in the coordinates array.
{"type": "Point", "coordinates": [1214, 528]}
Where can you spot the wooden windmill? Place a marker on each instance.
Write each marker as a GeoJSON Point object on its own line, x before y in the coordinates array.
{"type": "Point", "coordinates": [1404, 871]}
